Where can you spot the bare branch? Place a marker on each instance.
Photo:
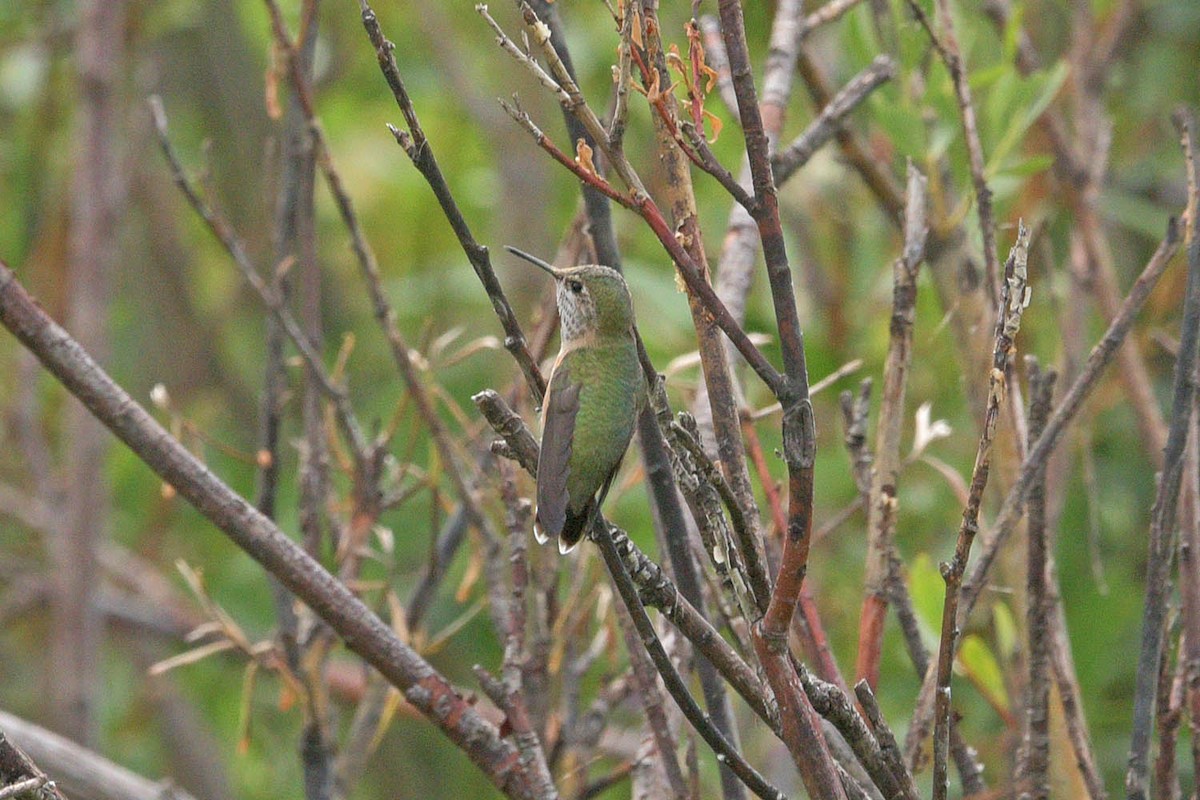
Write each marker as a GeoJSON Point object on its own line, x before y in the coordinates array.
{"type": "Point", "coordinates": [27, 749]}
{"type": "Point", "coordinates": [1034, 756]}
{"type": "Point", "coordinates": [883, 499]}
{"type": "Point", "coordinates": [828, 122]}
{"type": "Point", "coordinates": [362, 630]}
{"type": "Point", "coordinates": [1163, 515]}
{"type": "Point", "coordinates": [1014, 297]}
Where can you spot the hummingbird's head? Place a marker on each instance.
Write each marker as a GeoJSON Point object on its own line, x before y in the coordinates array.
{"type": "Point", "coordinates": [592, 299]}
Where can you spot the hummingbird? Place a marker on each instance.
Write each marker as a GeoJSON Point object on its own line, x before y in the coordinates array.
{"type": "Point", "coordinates": [595, 393]}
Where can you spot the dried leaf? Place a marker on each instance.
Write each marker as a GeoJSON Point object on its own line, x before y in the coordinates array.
{"type": "Point", "coordinates": [390, 706]}
{"type": "Point", "coordinates": [700, 64]}
{"type": "Point", "coordinates": [928, 431]}
{"type": "Point", "coordinates": [189, 657]}
{"type": "Point", "coordinates": [635, 33]}
{"type": "Point", "coordinates": [245, 707]}
{"type": "Point", "coordinates": [675, 60]}
{"type": "Point", "coordinates": [583, 157]}
{"type": "Point", "coordinates": [387, 539]}
{"type": "Point", "coordinates": [287, 696]}
{"type": "Point", "coordinates": [271, 87]}
{"type": "Point", "coordinates": [716, 123]}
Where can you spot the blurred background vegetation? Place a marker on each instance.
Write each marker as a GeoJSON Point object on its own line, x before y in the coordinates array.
{"type": "Point", "coordinates": [181, 316]}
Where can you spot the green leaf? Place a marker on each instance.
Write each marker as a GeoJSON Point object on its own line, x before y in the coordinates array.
{"type": "Point", "coordinates": [1134, 213]}
{"type": "Point", "coordinates": [1006, 629]}
{"type": "Point", "coordinates": [1025, 167]}
{"type": "Point", "coordinates": [1045, 86]}
{"type": "Point", "coordinates": [980, 664]}
{"type": "Point", "coordinates": [901, 123]}
{"type": "Point", "coordinates": [928, 592]}
{"type": "Point", "coordinates": [1012, 32]}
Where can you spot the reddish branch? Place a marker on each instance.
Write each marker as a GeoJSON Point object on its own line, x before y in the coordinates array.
{"type": "Point", "coordinates": [801, 732]}
{"type": "Point", "coordinates": [637, 199]}
{"type": "Point", "coordinates": [680, 200]}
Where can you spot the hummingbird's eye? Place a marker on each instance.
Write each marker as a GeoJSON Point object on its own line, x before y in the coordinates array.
{"type": "Point", "coordinates": [576, 287]}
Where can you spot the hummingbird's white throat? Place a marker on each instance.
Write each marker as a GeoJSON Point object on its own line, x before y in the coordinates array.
{"type": "Point", "coordinates": [576, 309]}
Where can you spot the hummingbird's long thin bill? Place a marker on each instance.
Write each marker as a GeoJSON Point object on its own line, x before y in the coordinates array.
{"type": "Point", "coordinates": [537, 262]}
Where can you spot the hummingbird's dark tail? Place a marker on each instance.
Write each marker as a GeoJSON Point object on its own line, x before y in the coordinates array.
{"type": "Point", "coordinates": [576, 526]}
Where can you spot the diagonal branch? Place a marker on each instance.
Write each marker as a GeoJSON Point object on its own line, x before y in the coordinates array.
{"type": "Point", "coordinates": [418, 148]}
{"type": "Point", "coordinates": [363, 631]}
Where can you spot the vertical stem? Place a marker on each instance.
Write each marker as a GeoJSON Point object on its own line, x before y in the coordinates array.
{"type": "Point", "coordinates": [295, 238]}
{"type": "Point", "coordinates": [1163, 517]}
{"type": "Point", "coordinates": [1033, 766]}
{"type": "Point", "coordinates": [801, 729]}
{"type": "Point", "coordinates": [882, 499]}
{"type": "Point", "coordinates": [98, 197]}
{"type": "Point", "coordinates": [1013, 301]}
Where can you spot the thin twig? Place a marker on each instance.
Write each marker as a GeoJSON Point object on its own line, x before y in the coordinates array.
{"type": "Point", "coordinates": [295, 238]}
{"type": "Point", "coordinates": [830, 12]}
{"type": "Point", "coordinates": [645, 677]}
{"type": "Point", "coordinates": [889, 748]}
{"type": "Point", "coordinates": [225, 234]}
{"type": "Point", "coordinates": [675, 685]}
{"type": "Point", "coordinates": [877, 176]}
{"type": "Point", "coordinates": [1163, 515]}
{"type": "Point", "coordinates": [567, 92]}
{"type": "Point", "coordinates": [1069, 692]}
{"type": "Point", "coordinates": [1015, 298]}
{"type": "Point", "coordinates": [829, 121]}
{"type": "Point", "coordinates": [419, 149]}
{"type": "Point", "coordinates": [1169, 703]}
{"type": "Point", "coordinates": [599, 213]}
{"type": "Point", "coordinates": [882, 508]}
{"type": "Point", "coordinates": [835, 705]}
{"type": "Point", "coordinates": [951, 54]}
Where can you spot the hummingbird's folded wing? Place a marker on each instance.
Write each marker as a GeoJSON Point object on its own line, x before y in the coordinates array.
{"type": "Point", "coordinates": [560, 407]}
